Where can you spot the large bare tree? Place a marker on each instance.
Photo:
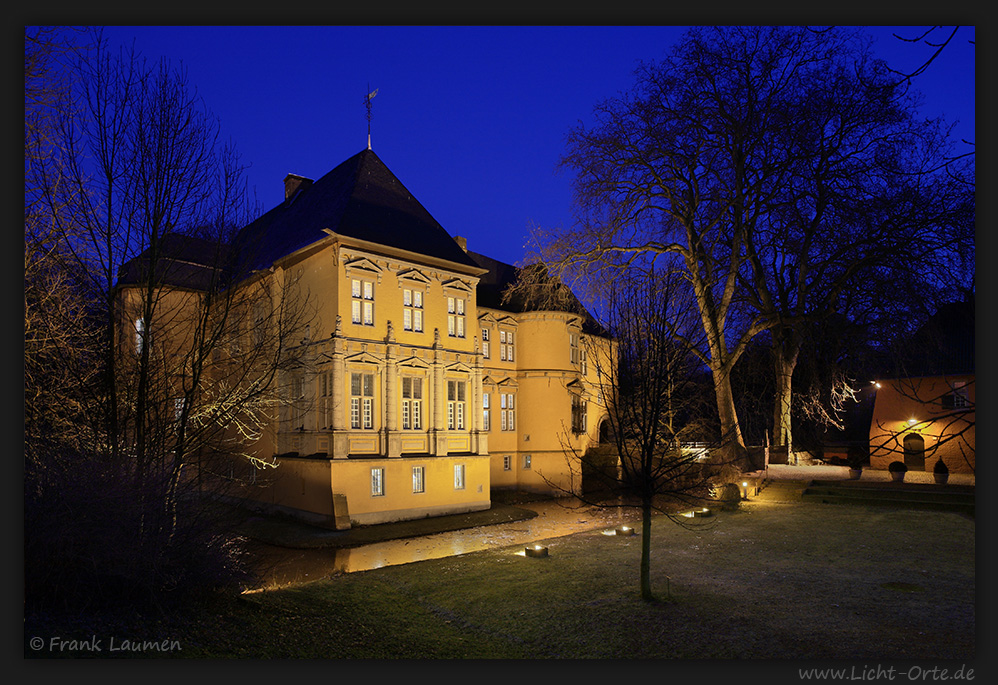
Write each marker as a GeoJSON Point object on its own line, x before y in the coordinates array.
{"type": "Point", "coordinates": [185, 343]}
{"type": "Point", "coordinates": [784, 169]}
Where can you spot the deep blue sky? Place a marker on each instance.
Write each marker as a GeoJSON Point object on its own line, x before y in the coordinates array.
{"type": "Point", "coordinates": [471, 119]}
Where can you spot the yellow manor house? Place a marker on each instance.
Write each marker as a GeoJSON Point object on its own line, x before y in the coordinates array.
{"type": "Point", "coordinates": [425, 388]}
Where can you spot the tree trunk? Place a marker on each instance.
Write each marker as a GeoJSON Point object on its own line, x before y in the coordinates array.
{"type": "Point", "coordinates": [784, 362]}
{"type": "Point", "coordinates": [731, 432]}
{"type": "Point", "coordinates": [646, 593]}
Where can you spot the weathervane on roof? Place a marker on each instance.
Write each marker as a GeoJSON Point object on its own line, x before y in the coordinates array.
{"type": "Point", "coordinates": [367, 102]}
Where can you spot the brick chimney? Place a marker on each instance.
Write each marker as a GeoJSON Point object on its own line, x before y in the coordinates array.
{"type": "Point", "coordinates": [293, 182]}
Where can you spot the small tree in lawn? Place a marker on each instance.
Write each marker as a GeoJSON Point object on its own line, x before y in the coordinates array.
{"type": "Point", "coordinates": [658, 402]}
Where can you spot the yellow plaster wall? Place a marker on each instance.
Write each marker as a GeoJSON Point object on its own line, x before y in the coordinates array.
{"type": "Point", "coordinates": [352, 478]}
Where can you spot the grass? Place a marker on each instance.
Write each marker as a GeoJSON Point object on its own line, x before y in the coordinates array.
{"type": "Point", "coordinates": [766, 581]}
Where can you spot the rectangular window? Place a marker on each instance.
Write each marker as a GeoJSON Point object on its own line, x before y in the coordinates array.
{"type": "Point", "coordinates": [526, 461]}
{"type": "Point", "coordinates": [961, 398]}
{"type": "Point", "coordinates": [455, 404]}
{"type": "Point", "coordinates": [326, 399]}
{"type": "Point", "coordinates": [259, 327]}
{"type": "Point", "coordinates": [412, 310]}
{"type": "Point", "coordinates": [362, 302]}
{"type": "Point", "coordinates": [455, 317]}
{"type": "Point", "coordinates": [506, 346]}
{"type": "Point", "coordinates": [362, 400]}
{"type": "Point", "coordinates": [507, 411]}
{"type": "Point", "coordinates": [578, 353]}
{"type": "Point", "coordinates": [485, 343]}
{"type": "Point", "coordinates": [417, 479]}
{"type": "Point", "coordinates": [507, 463]}
{"type": "Point", "coordinates": [486, 413]}
{"type": "Point", "coordinates": [412, 403]}
{"type": "Point", "coordinates": [459, 476]}
{"type": "Point", "coordinates": [140, 335]}
{"type": "Point", "coordinates": [297, 402]}
{"type": "Point", "coordinates": [377, 482]}
{"type": "Point", "coordinates": [578, 415]}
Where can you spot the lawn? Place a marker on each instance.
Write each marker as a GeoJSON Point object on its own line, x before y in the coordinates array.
{"type": "Point", "coordinates": [768, 581]}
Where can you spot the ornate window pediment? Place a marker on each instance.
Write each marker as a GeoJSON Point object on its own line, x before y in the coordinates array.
{"type": "Point", "coordinates": [410, 277]}
{"type": "Point", "coordinates": [459, 367]}
{"type": "Point", "coordinates": [413, 363]}
{"type": "Point", "coordinates": [362, 358]}
{"type": "Point", "coordinates": [362, 267]}
{"type": "Point", "coordinates": [456, 285]}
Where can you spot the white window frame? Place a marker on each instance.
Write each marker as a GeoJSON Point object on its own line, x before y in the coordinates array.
{"type": "Point", "coordinates": [506, 345]}
{"type": "Point", "coordinates": [456, 404]}
{"type": "Point", "coordinates": [526, 461]}
{"type": "Point", "coordinates": [362, 401]}
{"type": "Point", "coordinates": [412, 310]}
{"type": "Point", "coordinates": [412, 403]}
{"type": "Point", "coordinates": [579, 414]}
{"type": "Point", "coordinates": [378, 481]}
{"type": "Point", "coordinates": [507, 462]}
{"type": "Point", "coordinates": [140, 334]}
{"type": "Point", "coordinates": [325, 399]}
{"type": "Point", "coordinates": [486, 413]}
{"type": "Point", "coordinates": [459, 476]}
{"type": "Point", "coordinates": [456, 307]}
{"type": "Point", "coordinates": [507, 411]}
{"type": "Point", "coordinates": [362, 301]}
{"type": "Point", "coordinates": [961, 397]}
{"type": "Point", "coordinates": [418, 479]}
{"type": "Point", "coordinates": [485, 341]}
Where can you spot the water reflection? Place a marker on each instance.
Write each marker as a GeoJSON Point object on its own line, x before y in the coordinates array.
{"type": "Point", "coordinates": [280, 566]}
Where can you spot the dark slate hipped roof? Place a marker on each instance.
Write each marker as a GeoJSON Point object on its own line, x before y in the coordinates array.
{"type": "Point", "coordinates": [360, 198]}
{"type": "Point", "coordinates": [182, 261]}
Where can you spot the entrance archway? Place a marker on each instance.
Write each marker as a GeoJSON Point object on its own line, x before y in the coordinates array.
{"type": "Point", "coordinates": [914, 452]}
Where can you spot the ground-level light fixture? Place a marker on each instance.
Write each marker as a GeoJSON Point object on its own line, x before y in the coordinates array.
{"type": "Point", "coordinates": [702, 512]}
{"type": "Point", "coordinates": [912, 421]}
{"type": "Point", "coordinates": [623, 530]}
{"type": "Point", "coordinates": [535, 551]}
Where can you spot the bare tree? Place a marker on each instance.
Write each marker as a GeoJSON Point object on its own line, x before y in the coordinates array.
{"type": "Point", "coordinates": [784, 169]}
{"type": "Point", "coordinates": [666, 452]}
{"type": "Point", "coordinates": [185, 341]}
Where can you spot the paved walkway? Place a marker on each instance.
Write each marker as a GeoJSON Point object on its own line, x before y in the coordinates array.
{"type": "Point", "coordinates": [823, 472]}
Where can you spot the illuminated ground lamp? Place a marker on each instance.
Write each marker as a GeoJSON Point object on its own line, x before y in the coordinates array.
{"type": "Point", "coordinates": [702, 513]}
{"type": "Point", "coordinates": [912, 421]}
{"type": "Point", "coordinates": [745, 489]}
{"type": "Point", "coordinates": [536, 551]}
{"type": "Point", "coordinates": [624, 530]}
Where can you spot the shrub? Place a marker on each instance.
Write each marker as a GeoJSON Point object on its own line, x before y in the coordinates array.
{"type": "Point", "coordinates": [940, 467]}
{"type": "Point", "coordinates": [897, 467]}
{"type": "Point", "coordinates": [729, 495]}
{"type": "Point", "coordinates": [95, 539]}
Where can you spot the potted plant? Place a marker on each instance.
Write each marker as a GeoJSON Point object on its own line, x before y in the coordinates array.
{"type": "Point", "coordinates": [940, 472]}
{"type": "Point", "coordinates": [855, 463]}
{"type": "Point", "coordinates": [897, 470]}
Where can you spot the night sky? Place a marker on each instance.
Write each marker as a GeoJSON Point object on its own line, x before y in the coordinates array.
{"type": "Point", "coordinates": [471, 119]}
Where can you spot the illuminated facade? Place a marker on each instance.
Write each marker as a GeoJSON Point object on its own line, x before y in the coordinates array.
{"type": "Point", "coordinates": [919, 421]}
{"type": "Point", "coordinates": [422, 390]}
